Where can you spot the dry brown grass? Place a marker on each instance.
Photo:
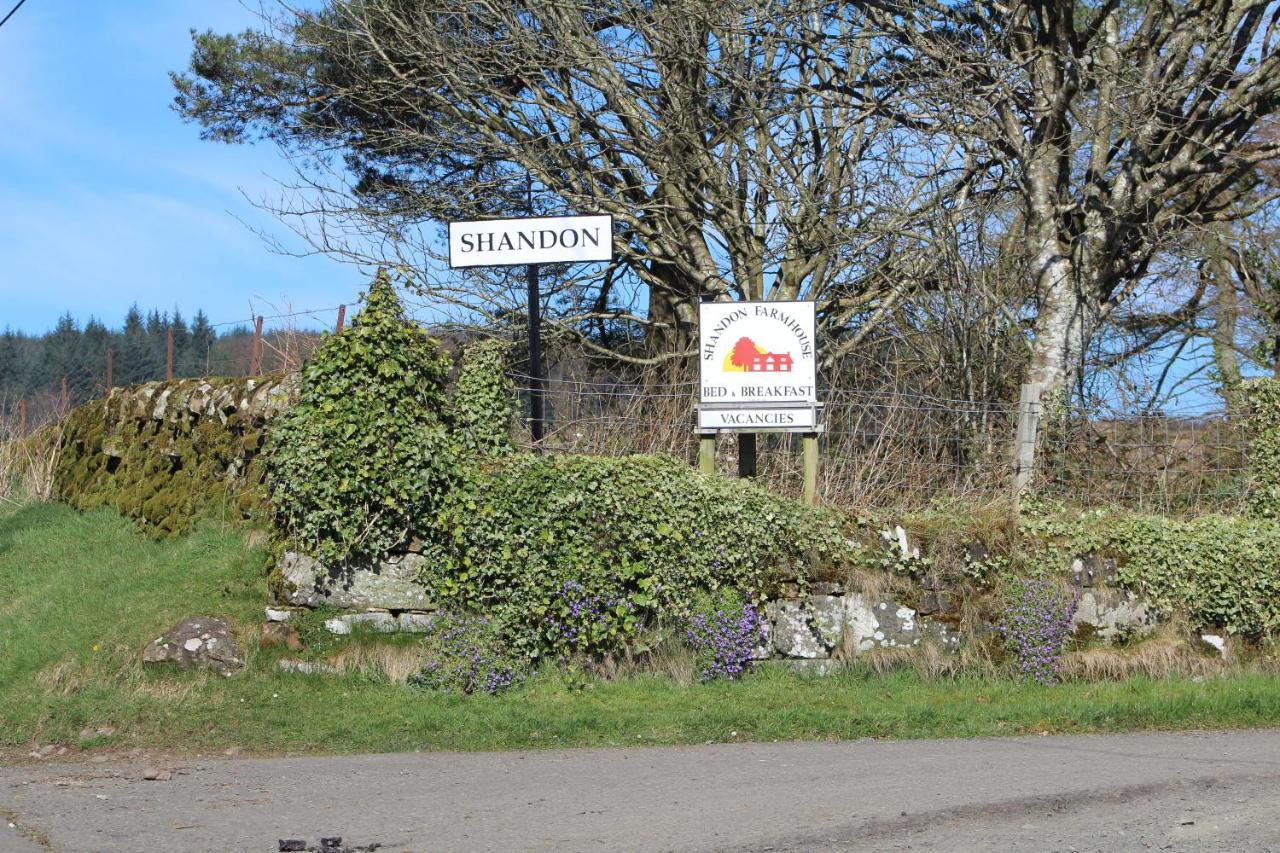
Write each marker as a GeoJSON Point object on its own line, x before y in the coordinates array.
{"type": "Point", "coordinates": [62, 678]}
{"type": "Point", "coordinates": [1162, 657]}
{"type": "Point", "coordinates": [1172, 651]}
{"type": "Point", "coordinates": [172, 691]}
{"type": "Point", "coordinates": [669, 658]}
{"type": "Point", "coordinates": [876, 585]}
{"type": "Point", "coordinates": [394, 662]}
{"type": "Point", "coordinates": [929, 661]}
{"type": "Point", "coordinates": [28, 458]}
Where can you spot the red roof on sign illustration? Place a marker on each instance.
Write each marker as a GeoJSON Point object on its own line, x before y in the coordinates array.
{"type": "Point", "coordinates": [746, 355]}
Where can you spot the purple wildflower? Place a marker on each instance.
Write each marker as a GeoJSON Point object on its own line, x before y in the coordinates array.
{"type": "Point", "coordinates": [1036, 625]}
{"type": "Point", "coordinates": [724, 640]}
{"type": "Point", "coordinates": [466, 656]}
{"type": "Point", "coordinates": [586, 623]}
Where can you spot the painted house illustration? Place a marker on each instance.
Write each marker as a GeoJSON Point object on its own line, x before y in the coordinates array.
{"type": "Point", "coordinates": [748, 356]}
{"type": "Point", "coordinates": [769, 361]}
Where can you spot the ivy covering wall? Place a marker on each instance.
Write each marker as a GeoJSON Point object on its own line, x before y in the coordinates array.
{"type": "Point", "coordinates": [1221, 571]}
{"type": "Point", "coordinates": [1263, 397]}
{"type": "Point", "coordinates": [372, 450]}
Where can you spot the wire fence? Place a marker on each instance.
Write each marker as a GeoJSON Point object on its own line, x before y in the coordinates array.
{"type": "Point", "coordinates": [896, 449]}
{"type": "Point", "coordinates": [277, 343]}
{"type": "Point", "coordinates": [879, 448]}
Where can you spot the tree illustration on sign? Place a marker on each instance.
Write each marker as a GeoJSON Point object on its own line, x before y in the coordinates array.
{"type": "Point", "coordinates": [748, 356]}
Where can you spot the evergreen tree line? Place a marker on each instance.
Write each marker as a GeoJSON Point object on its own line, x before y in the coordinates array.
{"type": "Point", "coordinates": [32, 365]}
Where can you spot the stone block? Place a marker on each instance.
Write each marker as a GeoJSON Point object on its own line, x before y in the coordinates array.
{"type": "Point", "coordinates": [1113, 615]}
{"type": "Point", "coordinates": [391, 584]}
{"type": "Point", "coordinates": [827, 619]}
{"type": "Point", "coordinates": [935, 601]}
{"type": "Point", "coordinates": [871, 624]}
{"type": "Point", "coordinates": [1215, 642]}
{"type": "Point", "coordinates": [793, 633]}
{"type": "Point", "coordinates": [416, 623]}
{"type": "Point", "coordinates": [1090, 570]}
{"type": "Point", "coordinates": [379, 621]}
{"type": "Point", "coordinates": [860, 624]}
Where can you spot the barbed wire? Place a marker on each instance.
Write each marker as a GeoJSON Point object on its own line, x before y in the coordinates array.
{"type": "Point", "coordinates": [289, 315]}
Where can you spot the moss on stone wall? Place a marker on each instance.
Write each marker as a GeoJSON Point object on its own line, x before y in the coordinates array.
{"type": "Point", "coordinates": [168, 453]}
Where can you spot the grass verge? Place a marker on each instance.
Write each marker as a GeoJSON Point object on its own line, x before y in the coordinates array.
{"type": "Point", "coordinates": [80, 595]}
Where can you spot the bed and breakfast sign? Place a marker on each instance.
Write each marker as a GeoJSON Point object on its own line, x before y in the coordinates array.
{"type": "Point", "coordinates": [758, 366]}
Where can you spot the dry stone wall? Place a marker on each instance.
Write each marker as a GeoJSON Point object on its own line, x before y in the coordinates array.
{"type": "Point", "coordinates": [166, 453]}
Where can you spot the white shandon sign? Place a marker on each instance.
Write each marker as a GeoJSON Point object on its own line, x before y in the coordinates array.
{"type": "Point", "coordinates": [533, 240]}
{"type": "Point", "coordinates": [755, 353]}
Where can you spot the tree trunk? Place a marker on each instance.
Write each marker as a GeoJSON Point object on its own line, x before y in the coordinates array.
{"type": "Point", "coordinates": [1224, 332]}
{"type": "Point", "coordinates": [673, 308]}
{"type": "Point", "coordinates": [1059, 336]}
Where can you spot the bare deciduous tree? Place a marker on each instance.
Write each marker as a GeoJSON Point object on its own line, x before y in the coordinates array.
{"type": "Point", "coordinates": [1121, 126]}
{"type": "Point", "coordinates": [710, 130]}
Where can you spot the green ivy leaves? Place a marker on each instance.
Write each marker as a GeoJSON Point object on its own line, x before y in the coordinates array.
{"type": "Point", "coordinates": [649, 533]}
{"type": "Point", "coordinates": [365, 453]}
{"type": "Point", "coordinates": [1221, 570]}
{"type": "Point", "coordinates": [1263, 396]}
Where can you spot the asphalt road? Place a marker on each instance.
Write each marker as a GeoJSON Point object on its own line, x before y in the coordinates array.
{"type": "Point", "coordinates": [1180, 792]}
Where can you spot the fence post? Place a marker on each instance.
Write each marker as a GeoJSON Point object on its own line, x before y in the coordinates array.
{"type": "Point", "coordinates": [22, 418]}
{"type": "Point", "coordinates": [1024, 449]}
{"type": "Point", "coordinates": [809, 444]}
{"type": "Point", "coordinates": [111, 357]}
{"type": "Point", "coordinates": [64, 399]}
{"type": "Point", "coordinates": [342, 318]}
{"type": "Point", "coordinates": [255, 354]}
{"type": "Point", "coordinates": [746, 454]}
{"type": "Point", "coordinates": [168, 355]}
{"type": "Point", "coordinates": [707, 453]}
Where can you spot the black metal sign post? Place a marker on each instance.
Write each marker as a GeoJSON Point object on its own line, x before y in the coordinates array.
{"type": "Point", "coordinates": [537, 412]}
{"type": "Point", "coordinates": [530, 242]}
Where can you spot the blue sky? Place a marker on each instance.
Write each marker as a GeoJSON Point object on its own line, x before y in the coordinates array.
{"type": "Point", "coordinates": [108, 198]}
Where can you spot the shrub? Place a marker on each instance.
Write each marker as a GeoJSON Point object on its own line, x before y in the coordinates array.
{"type": "Point", "coordinates": [365, 451]}
{"type": "Point", "coordinates": [1036, 623]}
{"type": "Point", "coordinates": [1263, 396]}
{"type": "Point", "coordinates": [468, 654]}
{"type": "Point", "coordinates": [1220, 570]}
{"type": "Point", "coordinates": [723, 631]}
{"type": "Point", "coordinates": [589, 623]}
{"type": "Point", "coordinates": [644, 533]}
{"type": "Point", "coordinates": [481, 402]}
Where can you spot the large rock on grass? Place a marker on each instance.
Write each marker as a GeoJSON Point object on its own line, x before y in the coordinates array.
{"type": "Point", "coordinates": [201, 642]}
